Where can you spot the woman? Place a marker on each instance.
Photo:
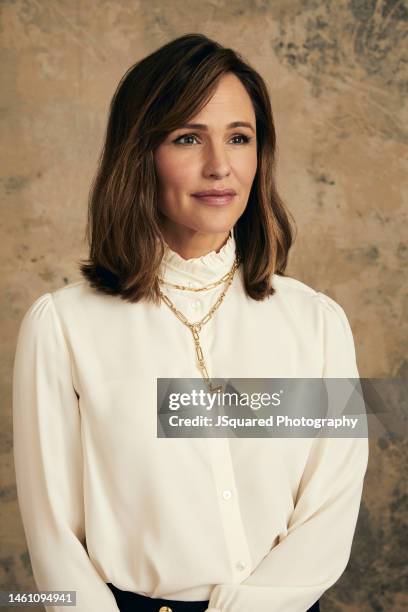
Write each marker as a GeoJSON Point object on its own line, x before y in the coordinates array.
{"type": "Point", "coordinates": [131, 521]}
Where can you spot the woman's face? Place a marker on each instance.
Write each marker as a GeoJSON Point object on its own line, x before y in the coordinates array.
{"type": "Point", "coordinates": [214, 156]}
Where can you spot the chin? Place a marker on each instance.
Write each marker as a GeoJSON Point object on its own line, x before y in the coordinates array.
{"type": "Point", "coordinates": [215, 223]}
{"type": "Point", "coordinates": [213, 228]}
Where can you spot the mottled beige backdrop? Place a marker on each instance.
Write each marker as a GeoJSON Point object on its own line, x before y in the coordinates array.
{"type": "Point", "coordinates": [338, 77]}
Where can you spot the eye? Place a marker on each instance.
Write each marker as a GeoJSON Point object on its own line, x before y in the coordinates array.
{"type": "Point", "coordinates": [246, 138]}
{"type": "Point", "coordinates": [178, 140]}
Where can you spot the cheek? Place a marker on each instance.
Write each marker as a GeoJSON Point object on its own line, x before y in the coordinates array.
{"type": "Point", "coordinates": [245, 169]}
{"type": "Point", "coordinates": [174, 172]}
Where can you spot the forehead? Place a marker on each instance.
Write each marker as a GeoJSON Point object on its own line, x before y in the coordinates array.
{"type": "Point", "coordinates": [230, 100]}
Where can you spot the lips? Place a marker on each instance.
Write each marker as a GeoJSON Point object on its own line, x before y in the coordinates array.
{"type": "Point", "coordinates": [215, 197]}
{"type": "Point", "coordinates": [215, 193]}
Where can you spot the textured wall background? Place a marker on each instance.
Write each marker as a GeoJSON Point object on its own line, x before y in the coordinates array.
{"type": "Point", "coordinates": [338, 79]}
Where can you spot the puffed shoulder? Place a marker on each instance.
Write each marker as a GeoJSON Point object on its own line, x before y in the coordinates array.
{"type": "Point", "coordinates": [339, 349]}
{"type": "Point", "coordinates": [336, 311]}
{"type": "Point", "coordinates": [41, 312]}
{"type": "Point", "coordinates": [40, 333]}
{"type": "Point", "coordinates": [39, 307]}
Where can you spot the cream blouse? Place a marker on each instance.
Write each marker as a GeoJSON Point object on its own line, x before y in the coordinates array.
{"type": "Point", "coordinates": [248, 523]}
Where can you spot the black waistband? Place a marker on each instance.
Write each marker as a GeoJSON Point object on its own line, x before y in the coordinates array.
{"type": "Point", "coordinates": [131, 602]}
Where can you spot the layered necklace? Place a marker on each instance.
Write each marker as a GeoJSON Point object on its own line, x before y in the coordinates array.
{"type": "Point", "coordinates": [196, 327]}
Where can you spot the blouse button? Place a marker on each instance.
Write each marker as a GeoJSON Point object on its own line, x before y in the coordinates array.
{"type": "Point", "coordinates": [195, 304]}
{"type": "Point", "coordinates": [241, 565]}
{"type": "Point", "coordinates": [165, 609]}
{"type": "Point", "coordinates": [226, 494]}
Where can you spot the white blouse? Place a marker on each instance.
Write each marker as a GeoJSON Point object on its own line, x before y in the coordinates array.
{"type": "Point", "coordinates": [247, 523]}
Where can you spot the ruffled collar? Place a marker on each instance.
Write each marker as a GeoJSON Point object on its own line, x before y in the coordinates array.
{"type": "Point", "coordinates": [198, 271]}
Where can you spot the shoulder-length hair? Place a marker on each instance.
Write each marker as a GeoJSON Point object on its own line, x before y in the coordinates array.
{"type": "Point", "coordinates": [154, 97]}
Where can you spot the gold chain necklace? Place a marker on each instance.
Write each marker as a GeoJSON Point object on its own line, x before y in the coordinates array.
{"type": "Point", "coordinates": [195, 328]}
{"type": "Point", "coordinates": [185, 288]}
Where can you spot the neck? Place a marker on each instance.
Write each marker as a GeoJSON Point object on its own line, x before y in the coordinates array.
{"type": "Point", "coordinates": [201, 270]}
{"type": "Point", "coordinates": [190, 244]}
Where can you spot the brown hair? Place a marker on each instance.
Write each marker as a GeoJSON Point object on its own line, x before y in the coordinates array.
{"type": "Point", "coordinates": [154, 97]}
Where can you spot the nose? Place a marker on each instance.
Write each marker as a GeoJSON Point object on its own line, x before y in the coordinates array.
{"type": "Point", "coordinates": [216, 161]}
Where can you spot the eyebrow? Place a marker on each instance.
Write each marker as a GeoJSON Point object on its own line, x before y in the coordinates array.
{"type": "Point", "coordinates": [202, 126]}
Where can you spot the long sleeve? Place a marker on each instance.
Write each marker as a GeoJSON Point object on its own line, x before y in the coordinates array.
{"type": "Point", "coordinates": [48, 462]}
{"type": "Point", "coordinates": [316, 548]}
